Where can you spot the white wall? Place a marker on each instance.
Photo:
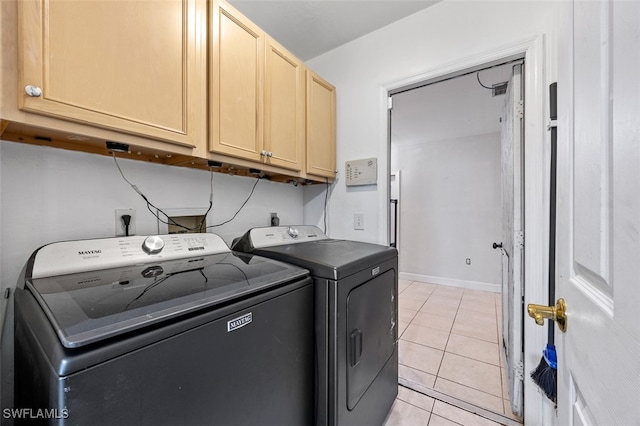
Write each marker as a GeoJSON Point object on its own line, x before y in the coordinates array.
{"type": "Point", "coordinates": [52, 195]}
{"type": "Point", "coordinates": [445, 141]}
{"type": "Point", "coordinates": [450, 210]}
{"type": "Point", "coordinates": [366, 68]}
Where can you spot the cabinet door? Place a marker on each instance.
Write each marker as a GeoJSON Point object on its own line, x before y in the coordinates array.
{"type": "Point", "coordinates": [284, 108]}
{"type": "Point", "coordinates": [132, 66]}
{"type": "Point", "coordinates": [321, 127]}
{"type": "Point", "coordinates": [236, 89]}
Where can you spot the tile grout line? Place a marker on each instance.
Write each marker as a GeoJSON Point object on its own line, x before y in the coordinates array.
{"type": "Point", "coordinates": [457, 383]}
{"type": "Point", "coordinates": [444, 350]}
{"type": "Point", "coordinates": [412, 404]}
{"type": "Point", "coordinates": [467, 357]}
{"type": "Point", "coordinates": [445, 397]}
{"type": "Point", "coordinates": [473, 359]}
{"type": "Point", "coordinates": [463, 405]}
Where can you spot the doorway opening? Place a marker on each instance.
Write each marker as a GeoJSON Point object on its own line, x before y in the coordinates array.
{"type": "Point", "coordinates": [447, 219]}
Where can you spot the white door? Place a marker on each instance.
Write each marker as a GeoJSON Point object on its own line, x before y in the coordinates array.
{"type": "Point", "coordinates": [511, 144]}
{"type": "Point", "coordinates": [598, 222]}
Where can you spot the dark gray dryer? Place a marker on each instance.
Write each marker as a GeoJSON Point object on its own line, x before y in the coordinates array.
{"type": "Point", "coordinates": [356, 287]}
{"type": "Point", "coordinates": [171, 329]}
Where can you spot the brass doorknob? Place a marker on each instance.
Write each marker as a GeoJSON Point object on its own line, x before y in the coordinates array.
{"type": "Point", "coordinates": [557, 313]}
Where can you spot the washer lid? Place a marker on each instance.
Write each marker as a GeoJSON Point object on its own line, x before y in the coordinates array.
{"type": "Point", "coordinates": [307, 247]}
{"type": "Point", "coordinates": [91, 306]}
{"type": "Point", "coordinates": [331, 259]}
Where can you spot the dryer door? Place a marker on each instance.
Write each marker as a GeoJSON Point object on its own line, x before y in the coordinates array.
{"type": "Point", "coordinates": [371, 332]}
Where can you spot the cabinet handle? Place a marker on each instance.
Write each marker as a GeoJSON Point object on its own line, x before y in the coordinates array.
{"type": "Point", "coordinates": [33, 91]}
{"type": "Point", "coordinates": [269, 154]}
{"type": "Point", "coordinates": [263, 153]}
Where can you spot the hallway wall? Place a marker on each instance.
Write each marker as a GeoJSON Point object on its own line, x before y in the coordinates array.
{"type": "Point", "coordinates": [451, 211]}
{"type": "Point", "coordinates": [445, 141]}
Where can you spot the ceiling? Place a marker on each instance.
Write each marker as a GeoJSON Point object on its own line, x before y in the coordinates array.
{"type": "Point", "coordinates": [311, 28]}
{"type": "Point", "coordinates": [452, 109]}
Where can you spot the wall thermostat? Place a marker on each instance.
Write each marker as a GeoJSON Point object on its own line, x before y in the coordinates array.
{"type": "Point", "coordinates": [361, 172]}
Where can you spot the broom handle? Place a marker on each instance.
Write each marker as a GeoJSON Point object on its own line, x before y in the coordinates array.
{"type": "Point", "coordinates": [552, 206]}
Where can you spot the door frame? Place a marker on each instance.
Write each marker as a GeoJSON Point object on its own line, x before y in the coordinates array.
{"type": "Point", "coordinates": [396, 174]}
{"type": "Point", "coordinates": [536, 410]}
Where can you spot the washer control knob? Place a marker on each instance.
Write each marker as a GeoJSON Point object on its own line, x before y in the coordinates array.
{"type": "Point", "coordinates": [153, 244]}
{"type": "Point", "coordinates": [293, 232]}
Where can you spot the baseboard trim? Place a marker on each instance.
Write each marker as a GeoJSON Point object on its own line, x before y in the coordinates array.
{"type": "Point", "coordinates": [452, 282]}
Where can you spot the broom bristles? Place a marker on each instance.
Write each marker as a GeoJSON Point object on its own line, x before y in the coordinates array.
{"type": "Point", "coordinates": [546, 378]}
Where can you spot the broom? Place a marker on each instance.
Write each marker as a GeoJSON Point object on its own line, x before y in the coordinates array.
{"type": "Point", "coordinates": [545, 375]}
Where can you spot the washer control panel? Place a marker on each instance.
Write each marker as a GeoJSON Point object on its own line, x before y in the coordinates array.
{"type": "Point", "coordinates": [280, 235]}
{"type": "Point", "coordinates": [69, 257]}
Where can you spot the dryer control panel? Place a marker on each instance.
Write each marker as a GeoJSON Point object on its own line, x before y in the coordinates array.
{"type": "Point", "coordinates": [68, 257]}
{"type": "Point", "coordinates": [280, 235]}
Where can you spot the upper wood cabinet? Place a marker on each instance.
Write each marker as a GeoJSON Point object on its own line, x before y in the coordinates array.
{"type": "Point", "coordinates": [257, 93]}
{"type": "Point", "coordinates": [284, 133]}
{"type": "Point", "coordinates": [134, 66]}
{"type": "Point", "coordinates": [236, 84]}
{"type": "Point", "coordinates": [321, 127]}
{"type": "Point", "coordinates": [179, 81]}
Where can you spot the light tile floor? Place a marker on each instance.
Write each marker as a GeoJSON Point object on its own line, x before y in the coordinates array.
{"type": "Point", "coordinates": [449, 342]}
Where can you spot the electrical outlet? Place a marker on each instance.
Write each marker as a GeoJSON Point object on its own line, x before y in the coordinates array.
{"type": "Point", "coordinates": [120, 228]}
{"type": "Point", "coordinates": [275, 220]}
{"type": "Point", "coordinates": [358, 221]}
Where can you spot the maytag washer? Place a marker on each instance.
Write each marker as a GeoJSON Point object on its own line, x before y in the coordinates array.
{"type": "Point", "coordinates": [356, 287]}
{"type": "Point", "coordinates": [172, 329]}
